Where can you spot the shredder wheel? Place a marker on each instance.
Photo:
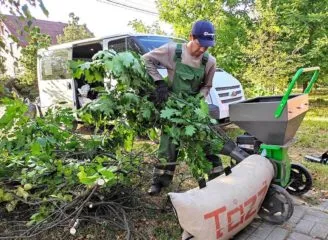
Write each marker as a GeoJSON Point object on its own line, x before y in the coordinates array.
{"type": "Point", "coordinates": [300, 180]}
{"type": "Point", "coordinates": [277, 206]}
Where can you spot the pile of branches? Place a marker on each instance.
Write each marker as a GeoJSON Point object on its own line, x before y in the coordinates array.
{"type": "Point", "coordinates": [51, 176]}
{"type": "Point", "coordinates": [115, 209]}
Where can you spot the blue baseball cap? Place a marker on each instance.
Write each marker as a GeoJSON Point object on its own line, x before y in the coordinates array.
{"type": "Point", "coordinates": [204, 31]}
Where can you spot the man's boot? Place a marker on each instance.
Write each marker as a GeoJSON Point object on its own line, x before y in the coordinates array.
{"type": "Point", "coordinates": [155, 189]}
{"type": "Point", "coordinates": [161, 178]}
{"type": "Point", "coordinates": [163, 173]}
{"type": "Point", "coordinates": [217, 169]}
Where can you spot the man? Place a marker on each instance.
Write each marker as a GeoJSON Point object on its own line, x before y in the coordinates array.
{"type": "Point", "coordinates": [190, 71]}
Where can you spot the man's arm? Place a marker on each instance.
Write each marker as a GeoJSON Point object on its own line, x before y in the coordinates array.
{"type": "Point", "coordinates": [209, 74]}
{"type": "Point", "coordinates": [156, 57]}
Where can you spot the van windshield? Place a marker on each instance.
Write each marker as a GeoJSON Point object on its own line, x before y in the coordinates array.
{"type": "Point", "coordinates": [148, 43]}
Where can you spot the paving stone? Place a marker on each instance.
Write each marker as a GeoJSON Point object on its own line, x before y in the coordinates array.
{"type": "Point", "coordinates": [299, 211]}
{"type": "Point", "coordinates": [315, 219]}
{"type": "Point", "coordinates": [250, 229]}
{"type": "Point", "coordinates": [257, 222]}
{"type": "Point", "coordinates": [252, 237]}
{"type": "Point", "coordinates": [293, 221]}
{"type": "Point", "coordinates": [307, 223]}
{"type": "Point", "coordinates": [317, 213]}
{"type": "Point", "coordinates": [323, 205]}
{"type": "Point", "coordinates": [246, 232]}
{"type": "Point", "coordinates": [304, 226]}
{"type": "Point", "coordinates": [278, 234]}
{"type": "Point", "coordinates": [243, 235]}
{"type": "Point", "coordinates": [299, 236]}
{"type": "Point", "coordinates": [263, 230]}
{"type": "Point", "coordinates": [319, 230]}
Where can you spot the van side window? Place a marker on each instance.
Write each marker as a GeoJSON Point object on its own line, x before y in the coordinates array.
{"type": "Point", "coordinates": [119, 45]}
{"type": "Point", "coordinates": [133, 46]}
{"type": "Point", "coordinates": [54, 64]}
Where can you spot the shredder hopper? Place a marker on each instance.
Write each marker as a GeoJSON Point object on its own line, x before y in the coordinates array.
{"type": "Point", "coordinates": [257, 117]}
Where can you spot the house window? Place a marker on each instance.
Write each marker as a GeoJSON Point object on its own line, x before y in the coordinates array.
{"type": "Point", "coordinates": [15, 66]}
{"type": "Point", "coordinates": [2, 59]}
{"type": "Point", "coordinates": [11, 49]}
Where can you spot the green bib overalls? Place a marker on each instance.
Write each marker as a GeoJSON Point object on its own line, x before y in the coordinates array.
{"type": "Point", "coordinates": [187, 80]}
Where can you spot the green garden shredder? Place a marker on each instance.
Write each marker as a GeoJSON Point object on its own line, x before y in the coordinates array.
{"type": "Point", "coordinates": [271, 123]}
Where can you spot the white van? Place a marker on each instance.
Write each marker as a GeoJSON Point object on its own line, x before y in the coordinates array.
{"type": "Point", "coordinates": [56, 84]}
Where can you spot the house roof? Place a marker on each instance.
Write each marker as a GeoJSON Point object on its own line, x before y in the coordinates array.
{"type": "Point", "coordinates": [16, 28]}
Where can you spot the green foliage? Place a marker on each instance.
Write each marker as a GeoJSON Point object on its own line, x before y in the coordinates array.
{"type": "Point", "coordinates": [12, 87]}
{"type": "Point", "coordinates": [128, 105]}
{"type": "Point", "coordinates": [44, 161]}
{"type": "Point", "coordinates": [4, 91]}
{"type": "Point", "coordinates": [304, 26]}
{"type": "Point", "coordinates": [284, 37]}
{"type": "Point", "coordinates": [2, 58]}
{"type": "Point", "coordinates": [268, 66]}
{"type": "Point", "coordinates": [140, 27]}
{"type": "Point", "coordinates": [28, 59]}
{"type": "Point", "coordinates": [186, 121]}
{"type": "Point", "coordinates": [74, 31]}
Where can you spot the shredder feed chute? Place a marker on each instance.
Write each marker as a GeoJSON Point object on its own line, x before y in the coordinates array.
{"type": "Point", "coordinates": [256, 116]}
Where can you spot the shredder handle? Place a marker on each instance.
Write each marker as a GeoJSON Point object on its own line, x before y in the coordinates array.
{"type": "Point", "coordinates": [299, 72]}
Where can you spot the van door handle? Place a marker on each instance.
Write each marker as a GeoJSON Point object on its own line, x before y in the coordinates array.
{"type": "Point", "coordinates": [69, 85]}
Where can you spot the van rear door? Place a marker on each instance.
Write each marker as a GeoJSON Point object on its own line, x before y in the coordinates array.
{"type": "Point", "coordinates": [54, 78]}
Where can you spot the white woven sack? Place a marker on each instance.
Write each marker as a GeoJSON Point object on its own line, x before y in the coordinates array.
{"type": "Point", "coordinates": [227, 204]}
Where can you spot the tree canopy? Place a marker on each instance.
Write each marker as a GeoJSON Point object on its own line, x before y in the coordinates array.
{"type": "Point", "coordinates": [28, 59]}
{"type": "Point", "coordinates": [74, 31]}
{"type": "Point", "coordinates": [140, 27]}
{"type": "Point", "coordinates": [261, 42]}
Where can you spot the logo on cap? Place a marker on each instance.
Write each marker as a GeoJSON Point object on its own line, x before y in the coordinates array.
{"type": "Point", "coordinates": [208, 34]}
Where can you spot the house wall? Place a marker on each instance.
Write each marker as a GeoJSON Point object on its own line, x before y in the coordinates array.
{"type": "Point", "coordinates": [11, 52]}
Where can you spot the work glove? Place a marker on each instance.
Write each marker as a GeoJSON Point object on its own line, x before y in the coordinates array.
{"type": "Point", "coordinates": [161, 92]}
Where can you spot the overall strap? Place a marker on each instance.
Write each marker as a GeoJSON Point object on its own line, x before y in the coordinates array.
{"type": "Point", "coordinates": [205, 59]}
{"type": "Point", "coordinates": [178, 52]}
{"type": "Point", "coordinates": [204, 62]}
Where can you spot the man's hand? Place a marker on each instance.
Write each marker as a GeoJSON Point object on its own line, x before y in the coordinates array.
{"type": "Point", "coordinates": [161, 92]}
